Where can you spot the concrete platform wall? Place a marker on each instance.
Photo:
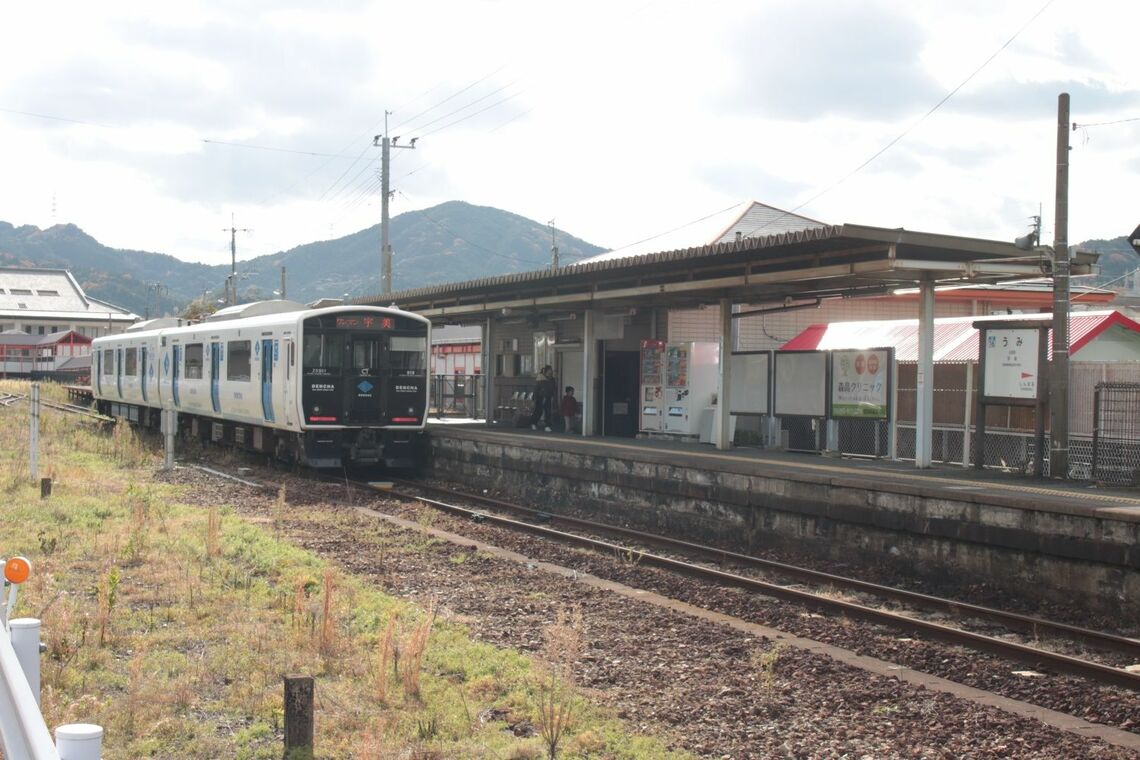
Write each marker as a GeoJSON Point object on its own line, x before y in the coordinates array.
{"type": "Point", "coordinates": [1024, 549]}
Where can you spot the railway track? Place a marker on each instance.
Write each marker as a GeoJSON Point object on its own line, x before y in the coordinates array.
{"type": "Point", "coordinates": [9, 399]}
{"type": "Point", "coordinates": [541, 523]}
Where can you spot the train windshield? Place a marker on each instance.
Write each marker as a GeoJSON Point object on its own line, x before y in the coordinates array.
{"type": "Point", "coordinates": [324, 351]}
{"type": "Point", "coordinates": [408, 354]}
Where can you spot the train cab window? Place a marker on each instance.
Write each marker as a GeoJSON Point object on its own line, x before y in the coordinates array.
{"type": "Point", "coordinates": [367, 353]}
{"type": "Point", "coordinates": [107, 366]}
{"type": "Point", "coordinates": [238, 360]}
{"type": "Point", "coordinates": [131, 362]}
{"type": "Point", "coordinates": [408, 353]}
{"type": "Point", "coordinates": [193, 359]}
{"type": "Point", "coordinates": [323, 351]}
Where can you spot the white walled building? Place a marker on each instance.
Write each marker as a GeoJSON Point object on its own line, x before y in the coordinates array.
{"type": "Point", "coordinates": [46, 301]}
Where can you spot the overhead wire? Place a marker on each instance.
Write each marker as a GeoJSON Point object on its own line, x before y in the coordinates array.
{"type": "Point", "coordinates": [915, 124]}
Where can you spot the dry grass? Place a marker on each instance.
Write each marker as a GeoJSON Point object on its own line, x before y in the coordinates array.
{"type": "Point", "coordinates": [177, 646]}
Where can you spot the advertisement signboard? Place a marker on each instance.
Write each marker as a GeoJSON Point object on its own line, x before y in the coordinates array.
{"type": "Point", "coordinates": [859, 383]}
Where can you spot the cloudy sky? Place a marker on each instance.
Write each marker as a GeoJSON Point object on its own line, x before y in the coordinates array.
{"type": "Point", "coordinates": [148, 124]}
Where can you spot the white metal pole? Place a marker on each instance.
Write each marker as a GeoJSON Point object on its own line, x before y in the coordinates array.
{"type": "Point", "coordinates": [26, 641]}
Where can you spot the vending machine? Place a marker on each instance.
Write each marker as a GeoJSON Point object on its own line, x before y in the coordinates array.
{"type": "Point", "coordinates": [690, 385]}
{"type": "Point", "coordinates": [652, 386]}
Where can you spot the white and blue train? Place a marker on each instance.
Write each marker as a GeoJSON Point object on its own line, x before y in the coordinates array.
{"type": "Point", "coordinates": [324, 387]}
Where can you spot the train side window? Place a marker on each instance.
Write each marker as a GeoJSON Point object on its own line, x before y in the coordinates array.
{"type": "Point", "coordinates": [107, 366]}
{"type": "Point", "coordinates": [193, 359]}
{"type": "Point", "coordinates": [131, 362]}
{"type": "Point", "coordinates": [238, 360]}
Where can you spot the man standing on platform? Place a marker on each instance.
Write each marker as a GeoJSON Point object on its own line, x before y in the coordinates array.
{"type": "Point", "coordinates": [544, 391]}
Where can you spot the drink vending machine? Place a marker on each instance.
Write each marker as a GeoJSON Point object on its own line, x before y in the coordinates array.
{"type": "Point", "coordinates": [690, 384]}
{"type": "Point", "coordinates": [678, 382]}
{"type": "Point", "coordinates": [652, 386]}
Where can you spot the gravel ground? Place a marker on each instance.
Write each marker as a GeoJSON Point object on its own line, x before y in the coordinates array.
{"type": "Point", "coordinates": [704, 687]}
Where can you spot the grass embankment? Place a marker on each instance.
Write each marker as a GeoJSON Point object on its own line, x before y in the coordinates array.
{"type": "Point", "coordinates": [172, 626]}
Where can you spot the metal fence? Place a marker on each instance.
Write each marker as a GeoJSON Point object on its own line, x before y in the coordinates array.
{"type": "Point", "coordinates": [1116, 434]}
{"type": "Point", "coordinates": [457, 396]}
{"type": "Point", "coordinates": [1104, 425]}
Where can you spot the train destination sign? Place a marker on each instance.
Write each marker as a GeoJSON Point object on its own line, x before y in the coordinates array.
{"type": "Point", "coordinates": [1012, 363]}
{"type": "Point", "coordinates": [358, 322]}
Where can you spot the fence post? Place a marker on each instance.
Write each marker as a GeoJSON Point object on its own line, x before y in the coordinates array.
{"type": "Point", "coordinates": [169, 421]}
{"type": "Point", "coordinates": [34, 432]}
{"type": "Point", "coordinates": [298, 718]}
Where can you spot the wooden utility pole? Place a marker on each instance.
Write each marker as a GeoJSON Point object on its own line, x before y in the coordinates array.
{"type": "Point", "coordinates": [1059, 385]}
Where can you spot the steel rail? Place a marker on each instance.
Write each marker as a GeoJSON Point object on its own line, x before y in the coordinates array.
{"type": "Point", "coordinates": [1027, 624]}
{"type": "Point", "coordinates": [1059, 662]}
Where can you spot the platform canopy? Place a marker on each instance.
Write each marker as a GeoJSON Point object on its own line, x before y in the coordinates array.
{"type": "Point", "coordinates": [827, 261]}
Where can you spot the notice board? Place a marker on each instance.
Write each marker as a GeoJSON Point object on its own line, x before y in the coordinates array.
{"type": "Point", "coordinates": [748, 381]}
{"type": "Point", "coordinates": [801, 383]}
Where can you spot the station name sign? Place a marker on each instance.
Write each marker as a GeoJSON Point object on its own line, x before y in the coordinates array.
{"type": "Point", "coordinates": [1012, 363]}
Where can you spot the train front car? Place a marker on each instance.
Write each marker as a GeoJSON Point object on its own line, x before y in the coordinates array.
{"type": "Point", "coordinates": [364, 386]}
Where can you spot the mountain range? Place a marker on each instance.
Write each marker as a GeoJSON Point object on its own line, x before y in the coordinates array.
{"type": "Point", "coordinates": [451, 242]}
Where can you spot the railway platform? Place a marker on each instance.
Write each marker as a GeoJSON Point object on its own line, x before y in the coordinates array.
{"type": "Point", "coordinates": [1049, 539]}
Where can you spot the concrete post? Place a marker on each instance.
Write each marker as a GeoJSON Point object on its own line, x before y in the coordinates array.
{"type": "Point", "coordinates": [924, 403]}
{"type": "Point", "coordinates": [723, 426]}
{"type": "Point", "coordinates": [588, 372]}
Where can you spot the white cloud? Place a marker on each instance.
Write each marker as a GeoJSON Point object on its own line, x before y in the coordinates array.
{"type": "Point", "coordinates": [619, 121]}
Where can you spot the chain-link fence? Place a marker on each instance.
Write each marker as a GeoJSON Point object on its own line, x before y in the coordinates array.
{"type": "Point", "coordinates": [1103, 397]}
{"type": "Point", "coordinates": [1116, 433]}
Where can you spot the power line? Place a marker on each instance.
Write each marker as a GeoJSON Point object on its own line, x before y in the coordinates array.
{"type": "Point", "coordinates": [910, 128]}
{"type": "Point", "coordinates": [1077, 126]}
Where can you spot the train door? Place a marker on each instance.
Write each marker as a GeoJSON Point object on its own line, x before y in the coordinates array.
{"type": "Point", "coordinates": [215, 375]}
{"type": "Point", "coordinates": [119, 371]}
{"type": "Point", "coordinates": [288, 357]}
{"type": "Point", "coordinates": [267, 356]}
{"type": "Point", "coordinates": [143, 370]}
{"type": "Point", "coordinates": [176, 372]}
{"type": "Point", "coordinates": [97, 375]}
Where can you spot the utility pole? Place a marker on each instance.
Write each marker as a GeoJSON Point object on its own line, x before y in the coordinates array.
{"type": "Point", "coordinates": [386, 144]}
{"type": "Point", "coordinates": [553, 248]}
{"type": "Point", "coordinates": [1059, 385]}
{"type": "Point", "coordinates": [282, 283]}
{"type": "Point", "coordinates": [231, 281]}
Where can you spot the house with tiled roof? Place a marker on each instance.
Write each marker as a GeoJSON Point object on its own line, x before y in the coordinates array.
{"type": "Point", "coordinates": [46, 301]}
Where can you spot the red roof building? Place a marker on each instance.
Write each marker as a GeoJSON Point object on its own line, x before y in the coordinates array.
{"type": "Point", "coordinates": [1093, 336]}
